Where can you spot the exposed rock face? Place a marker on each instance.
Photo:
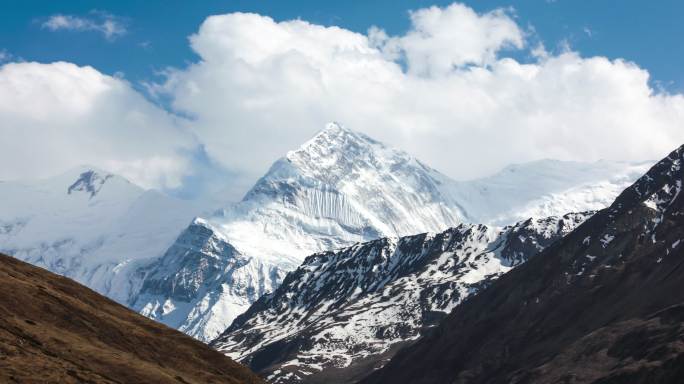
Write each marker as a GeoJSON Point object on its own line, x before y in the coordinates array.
{"type": "Point", "coordinates": [89, 182]}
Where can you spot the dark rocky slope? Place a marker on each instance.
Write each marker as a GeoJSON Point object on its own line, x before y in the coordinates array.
{"type": "Point", "coordinates": [345, 312]}
{"type": "Point", "coordinates": [603, 305]}
{"type": "Point", "coordinates": [53, 330]}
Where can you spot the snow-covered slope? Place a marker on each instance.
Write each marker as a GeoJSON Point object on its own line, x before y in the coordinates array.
{"type": "Point", "coordinates": [340, 308]}
{"type": "Point", "coordinates": [89, 225]}
{"type": "Point", "coordinates": [342, 187]}
{"type": "Point", "coordinates": [338, 188]}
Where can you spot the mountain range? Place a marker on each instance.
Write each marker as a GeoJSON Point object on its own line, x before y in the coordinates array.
{"type": "Point", "coordinates": [339, 188]}
{"type": "Point", "coordinates": [344, 313]}
{"type": "Point", "coordinates": [196, 269]}
{"type": "Point", "coordinates": [350, 261]}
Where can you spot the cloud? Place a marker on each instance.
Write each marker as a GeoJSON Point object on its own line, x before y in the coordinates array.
{"type": "Point", "coordinates": [58, 116]}
{"type": "Point", "coordinates": [110, 26]}
{"type": "Point", "coordinates": [448, 91]}
{"type": "Point", "coordinates": [442, 39]}
{"type": "Point", "coordinates": [445, 91]}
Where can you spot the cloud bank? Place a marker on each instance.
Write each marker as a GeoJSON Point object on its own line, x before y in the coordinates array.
{"type": "Point", "coordinates": [447, 91]}
{"type": "Point", "coordinates": [442, 91]}
{"type": "Point", "coordinates": [57, 116]}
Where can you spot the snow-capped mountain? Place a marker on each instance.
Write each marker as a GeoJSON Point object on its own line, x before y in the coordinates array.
{"type": "Point", "coordinates": [89, 225]}
{"type": "Point", "coordinates": [350, 309]}
{"type": "Point", "coordinates": [601, 305]}
{"type": "Point", "coordinates": [339, 188]}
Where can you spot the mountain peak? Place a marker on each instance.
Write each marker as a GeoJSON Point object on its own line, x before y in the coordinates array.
{"type": "Point", "coordinates": [89, 181]}
{"type": "Point", "coordinates": [333, 138]}
{"type": "Point", "coordinates": [336, 152]}
{"type": "Point", "coordinates": [373, 188]}
{"type": "Point", "coordinates": [658, 188]}
{"type": "Point", "coordinates": [335, 128]}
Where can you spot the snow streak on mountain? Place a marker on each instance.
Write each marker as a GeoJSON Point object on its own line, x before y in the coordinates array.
{"type": "Point", "coordinates": [203, 280]}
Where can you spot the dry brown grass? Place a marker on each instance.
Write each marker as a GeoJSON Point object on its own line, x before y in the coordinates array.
{"type": "Point", "coordinates": [53, 330]}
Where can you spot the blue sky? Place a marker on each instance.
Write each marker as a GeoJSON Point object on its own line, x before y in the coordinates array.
{"type": "Point", "coordinates": [647, 32]}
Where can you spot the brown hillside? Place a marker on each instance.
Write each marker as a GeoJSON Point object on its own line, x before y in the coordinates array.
{"type": "Point", "coordinates": [54, 330]}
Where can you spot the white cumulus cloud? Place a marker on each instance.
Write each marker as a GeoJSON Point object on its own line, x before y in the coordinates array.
{"type": "Point", "coordinates": [445, 91]}
{"type": "Point", "coordinates": [442, 39]}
